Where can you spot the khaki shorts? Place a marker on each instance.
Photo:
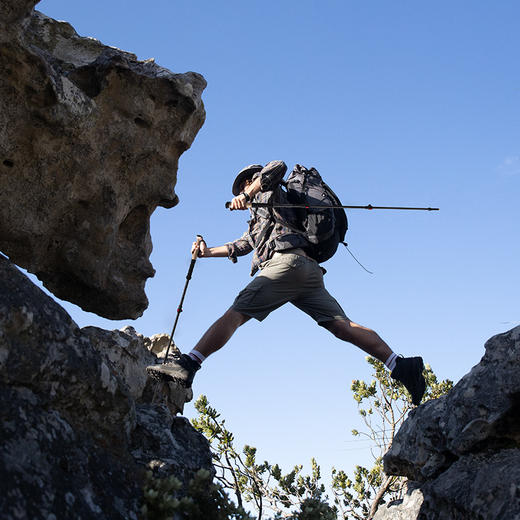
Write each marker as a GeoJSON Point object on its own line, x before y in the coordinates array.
{"type": "Point", "coordinates": [293, 278]}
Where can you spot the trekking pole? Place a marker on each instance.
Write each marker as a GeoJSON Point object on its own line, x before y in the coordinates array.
{"type": "Point", "coordinates": [317, 206]}
{"type": "Point", "coordinates": [188, 278]}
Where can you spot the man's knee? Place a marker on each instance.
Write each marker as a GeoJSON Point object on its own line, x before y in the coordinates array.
{"type": "Point", "coordinates": [235, 317]}
{"type": "Point", "coordinates": [340, 328]}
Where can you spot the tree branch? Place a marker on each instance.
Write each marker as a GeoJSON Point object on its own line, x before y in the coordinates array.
{"type": "Point", "coordinates": [382, 490]}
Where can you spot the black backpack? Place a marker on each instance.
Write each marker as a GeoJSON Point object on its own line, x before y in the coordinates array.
{"type": "Point", "coordinates": [324, 228]}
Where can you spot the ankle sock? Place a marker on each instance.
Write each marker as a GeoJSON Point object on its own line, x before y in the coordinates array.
{"type": "Point", "coordinates": [390, 362]}
{"type": "Point", "coordinates": [197, 356]}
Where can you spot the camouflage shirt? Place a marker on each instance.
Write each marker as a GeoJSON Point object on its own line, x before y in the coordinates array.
{"type": "Point", "coordinates": [270, 230]}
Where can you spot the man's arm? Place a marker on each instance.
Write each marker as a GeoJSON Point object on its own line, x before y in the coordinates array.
{"type": "Point", "coordinates": [271, 174]}
{"type": "Point", "coordinates": [239, 202]}
{"type": "Point", "coordinates": [207, 252]}
{"type": "Point", "coordinates": [239, 247]}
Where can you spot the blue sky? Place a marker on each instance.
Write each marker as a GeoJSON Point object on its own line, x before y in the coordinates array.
{"type": "Point", "coordinates": [395, 103]}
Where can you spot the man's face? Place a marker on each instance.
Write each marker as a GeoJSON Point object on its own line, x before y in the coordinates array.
{"type": "Point", "coordinates": [245, 184]}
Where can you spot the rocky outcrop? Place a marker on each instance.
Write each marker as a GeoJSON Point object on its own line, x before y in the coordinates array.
{"type": "Point", "coordinates": [462, 451]}
{"type": "Point", "coordinates": [78, 428]}
{"type": "Point", "coordinates": [130, 353]}
{"type": "Point", "coordinates": [90, 139]}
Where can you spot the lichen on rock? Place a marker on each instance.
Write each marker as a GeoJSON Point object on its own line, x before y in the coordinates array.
{"type": "Point", "coordinates": [79, 429]}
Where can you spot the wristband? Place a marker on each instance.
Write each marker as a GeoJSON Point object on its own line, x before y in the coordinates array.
{"type": "Point", "coordinates": [248, 198]}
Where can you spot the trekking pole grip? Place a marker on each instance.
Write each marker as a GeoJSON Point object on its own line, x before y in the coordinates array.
{"type": "Point", "coordinates": [195, 253]}
{"type": "Point", "coordinates": [228, 204]}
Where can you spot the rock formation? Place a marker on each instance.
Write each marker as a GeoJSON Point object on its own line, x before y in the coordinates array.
{"type": "Point", "coordinates": [78, 429]}
{"type": "Point", "coordinates": [462, 452]}
{"type": "Point", "coordinates": [90, 139]}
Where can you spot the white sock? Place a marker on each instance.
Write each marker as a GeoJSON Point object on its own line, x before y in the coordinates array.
{"type": "Point", "coordinates": [390, 362]}
{"type": "Point", "coordinates": [197, 356]}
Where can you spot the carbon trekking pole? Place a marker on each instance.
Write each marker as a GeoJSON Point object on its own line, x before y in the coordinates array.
{"type": "Point", "coordinates": [188, 278]}
{"type": "Point", "coordinates": [318, 206]}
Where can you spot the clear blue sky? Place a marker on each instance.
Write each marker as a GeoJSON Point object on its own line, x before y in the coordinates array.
{"type": "Point", "coordinates": [399, 103]}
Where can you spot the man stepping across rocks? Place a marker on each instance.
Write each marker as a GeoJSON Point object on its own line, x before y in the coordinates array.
{"type": "Point", "coordinates": [287, 273]}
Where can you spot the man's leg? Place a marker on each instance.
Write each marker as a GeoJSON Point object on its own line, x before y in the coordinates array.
{"type": "Point", "coordinates": [364, 338]}
{"type": "Point", "coordinates": [184, 369]}
{"type": "Point", "coordinates": [220, 332]}
{"type": "Point", "coordinates": [250, 302]}
{"type": "Point", "coordinates": [319, 304]}
{"type": "Point", "coordinates": [406, 370]}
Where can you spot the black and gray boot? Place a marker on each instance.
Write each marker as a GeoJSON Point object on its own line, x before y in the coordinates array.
{"type": "Point", "coordinates": [409, 372]}
{"type": "Point", "coordinates": [181, 370]}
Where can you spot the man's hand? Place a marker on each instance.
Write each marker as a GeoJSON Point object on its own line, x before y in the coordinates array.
{"type": "Point", "coordinates": [203, 249]}
{"type": "Point", "coordinates": [239, 202]}
{"type": "Point", "coordinates": [208, 252]}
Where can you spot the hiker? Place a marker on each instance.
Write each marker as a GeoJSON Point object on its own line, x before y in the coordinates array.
{"type": "Point", "coordinates": [287, 273]}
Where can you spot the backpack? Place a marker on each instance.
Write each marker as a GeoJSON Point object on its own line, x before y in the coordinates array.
{"type": "Point", "coordinates": [323, 228]}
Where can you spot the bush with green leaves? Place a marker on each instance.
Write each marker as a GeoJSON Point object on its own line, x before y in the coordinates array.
{"type": "Point", "coordinates": [263, 485]}
{"type": "Point", "coordinates": [383, 405]}
{"type": "Point", "coordinates": [164, 499]}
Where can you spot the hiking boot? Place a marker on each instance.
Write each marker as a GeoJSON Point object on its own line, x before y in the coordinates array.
{"type": "Point", "coordinates": [181, 370]}
{"type": "Point", "coordinates": [409, 372]}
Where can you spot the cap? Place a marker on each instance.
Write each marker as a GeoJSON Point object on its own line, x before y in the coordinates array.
{"type": "Point", "coordinates": [243, 175]}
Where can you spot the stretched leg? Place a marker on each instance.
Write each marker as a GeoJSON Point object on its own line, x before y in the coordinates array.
{"type": "Point", "coordinates": [184, 369]}
{"type": "Point", "coordinates": [406, 370]}
{"type": "Point", "coordinates": [364, 338]}
{"type": "Point", "coordinates": [220, 332]}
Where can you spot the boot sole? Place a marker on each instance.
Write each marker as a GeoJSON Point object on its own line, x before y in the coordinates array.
{"type": "Point", "coordinates": [161, 377]}
{"type": "Point", "coordinates": [419, 384]}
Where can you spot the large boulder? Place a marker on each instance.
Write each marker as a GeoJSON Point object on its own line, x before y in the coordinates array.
{"type": "Point", "coordinates": [462, 452]}
{"type": "Point", "coordinates": [90, 139]}
{"type": "Point", "coordinates": [78, 428]}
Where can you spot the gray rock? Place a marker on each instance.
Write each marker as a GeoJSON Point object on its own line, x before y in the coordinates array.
{"type": "Point", "coordinates": [90, 139]}
{"type": "Point", "coordinates": [482, 486]}
{"type": "Point", "coordinates": [407, 508]}
{"type": "Point", "coordinates": [44, 350]}
{"type": "Point", "coordinates": [129, 353]}
{"type": "Point", "coordinates": [463, 450]}
{"type": "Point", "coordinates": [15, 12]}
{"type": "Point", "coordinates": [476, 487]}
{"type": "Point", "coordinates": [78, 429]}
{"type": "Point", "coordinates": [158, 344]}
{"type": "Point", "coordinates": [167, 444]}
{"type": "Point", "coordinates": [50, 467]}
